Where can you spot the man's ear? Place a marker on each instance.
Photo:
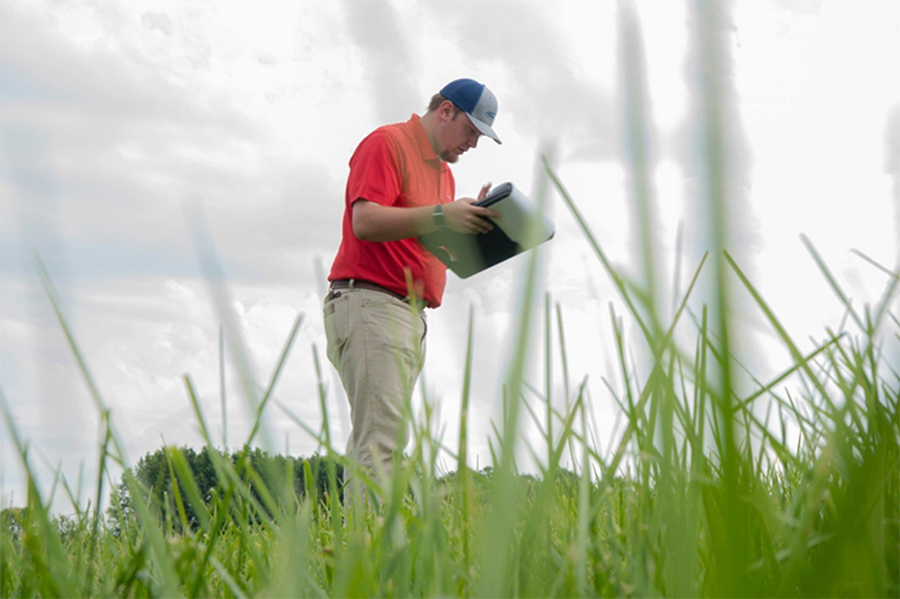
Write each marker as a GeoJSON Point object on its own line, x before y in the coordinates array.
{"type": "Point", "coordinates": [446, 110]}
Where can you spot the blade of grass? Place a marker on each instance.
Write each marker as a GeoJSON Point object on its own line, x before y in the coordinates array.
{"type": "Point", "coordinates": [54, 578]}
{"type": "Point", "coordinates": [274, 379]}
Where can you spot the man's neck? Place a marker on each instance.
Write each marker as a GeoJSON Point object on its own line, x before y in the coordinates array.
{"type": "Point", "coordinates": [429, 124]}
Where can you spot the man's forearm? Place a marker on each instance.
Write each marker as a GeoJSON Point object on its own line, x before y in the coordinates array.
{"type": "Point", "coordinates": [374, 222]}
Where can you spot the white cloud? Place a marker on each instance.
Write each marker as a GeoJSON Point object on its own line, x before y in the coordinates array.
{"type": "Point", "coordinates": [158, 21]}
{"type": "Point", "coordinates": [390, 64]}
{"type": "Point", "coordinates": [523, 51]}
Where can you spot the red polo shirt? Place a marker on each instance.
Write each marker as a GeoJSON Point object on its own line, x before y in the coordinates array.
{"type": "Point", "coordinates": [395, 166]}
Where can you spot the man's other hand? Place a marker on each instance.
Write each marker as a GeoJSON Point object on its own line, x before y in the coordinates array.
{"type": "Point", "coordinates": [485, 190]}
{"type": "Point", "coordinates": [463, 216]}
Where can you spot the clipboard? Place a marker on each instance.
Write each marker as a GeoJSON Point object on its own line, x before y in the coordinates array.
{"type": "Point", "coordinates": [520, 228]}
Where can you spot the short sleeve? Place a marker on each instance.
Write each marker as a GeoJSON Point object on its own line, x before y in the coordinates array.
{"type": "Point", "coordinates": [375, 171]}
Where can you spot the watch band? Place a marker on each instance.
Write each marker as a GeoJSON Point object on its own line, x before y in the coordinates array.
{"type": "Point", "coordinates": [438, 217]}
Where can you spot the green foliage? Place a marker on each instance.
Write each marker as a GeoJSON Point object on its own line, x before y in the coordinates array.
{"type": "Point", "coordinates": [818, 510]}
{"type": "Point", "coordinates": [801, 499]}
{"type": "Point", "coordinates": [272, 474]}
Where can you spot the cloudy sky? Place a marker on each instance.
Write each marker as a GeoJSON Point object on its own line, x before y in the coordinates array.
{"type": "Point", "coordinates": [123, 123]}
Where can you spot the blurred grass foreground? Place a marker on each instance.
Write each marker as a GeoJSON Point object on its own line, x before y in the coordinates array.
{"type": "Point", "coordinates": [705, 490]}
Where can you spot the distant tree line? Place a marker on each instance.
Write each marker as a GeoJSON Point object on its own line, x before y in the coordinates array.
{"type": "Point", "coordinates": [167, 498]}
{"type": "Point", "coordinates": [257, 467]}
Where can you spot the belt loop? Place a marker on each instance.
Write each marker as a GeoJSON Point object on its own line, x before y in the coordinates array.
{"type": "Point", "coordinates": [350, 283]}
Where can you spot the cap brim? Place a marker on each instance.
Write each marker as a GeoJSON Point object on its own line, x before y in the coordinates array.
{"type": "Point", "coordinates": [484, 128]}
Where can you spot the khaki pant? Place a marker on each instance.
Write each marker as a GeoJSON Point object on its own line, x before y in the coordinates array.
{"type": "Point", "coordinates": [377, 344]}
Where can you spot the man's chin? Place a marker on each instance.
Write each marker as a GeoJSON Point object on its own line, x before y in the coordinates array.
{"type": "Point", "coordinates": [450, 157]}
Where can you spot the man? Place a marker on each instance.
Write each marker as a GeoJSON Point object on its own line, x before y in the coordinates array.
{"type": "Point", "coordinates": [400, 187]}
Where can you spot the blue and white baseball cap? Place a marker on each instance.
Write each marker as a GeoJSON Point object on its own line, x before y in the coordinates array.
{"type": "Point", "coordinates": [477, 101]}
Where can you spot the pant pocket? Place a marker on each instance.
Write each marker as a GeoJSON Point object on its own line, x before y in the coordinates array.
{"type": "Point", "coordinates": [336, 316]}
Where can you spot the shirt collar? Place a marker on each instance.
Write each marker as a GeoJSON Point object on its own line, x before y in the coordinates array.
{"type": "Point", "coordinates": [415, 124]}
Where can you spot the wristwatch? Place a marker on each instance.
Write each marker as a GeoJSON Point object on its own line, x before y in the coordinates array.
{"type": "Point", "coordinates": [438, 217]}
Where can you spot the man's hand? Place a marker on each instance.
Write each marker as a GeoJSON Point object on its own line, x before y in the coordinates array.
{"type": "Point", "coordinates": [461, 216]}
{"type": "Point", "coordinates": [485, 190]}
{"type": "Point", "coordinates": [374, 222]}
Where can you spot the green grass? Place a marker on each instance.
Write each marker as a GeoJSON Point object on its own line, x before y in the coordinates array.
{"type": "Point", "coordinates": [789, 489]}
{"type": "Point", "coordinates": [817, 511]}
{"type": "Point", "coordinates": [801, 502]}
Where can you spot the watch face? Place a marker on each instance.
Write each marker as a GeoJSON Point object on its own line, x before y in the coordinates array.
{"type": "Point", "coordinates": [438, 216]}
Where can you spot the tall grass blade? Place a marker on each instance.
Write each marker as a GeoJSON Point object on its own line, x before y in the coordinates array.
{"type": "Point", "coordinates": [835, 286]}
{"type": "Point", "coordinates": [274, 379]}
{"type": "Point", "coordinates": [618, 281]}
{"type": "Point", "coordinates": [53, 578]}
{"type": "Point", "coordinates": [222, 388]}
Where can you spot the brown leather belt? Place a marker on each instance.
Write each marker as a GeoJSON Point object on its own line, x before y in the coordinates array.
{"type": "Point", "coordinates": [358, 284]}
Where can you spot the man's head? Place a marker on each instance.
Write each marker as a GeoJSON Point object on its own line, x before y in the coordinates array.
{"type": "Point", "coordinates": [450, 134]}
{"type": "Point", "coordinates": [477, 101]}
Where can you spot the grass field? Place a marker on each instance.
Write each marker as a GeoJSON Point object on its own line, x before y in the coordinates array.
{"type": "Point", "coordinates": [791, 489]}
{"type": "Point", "coordinates": [699, 497]}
